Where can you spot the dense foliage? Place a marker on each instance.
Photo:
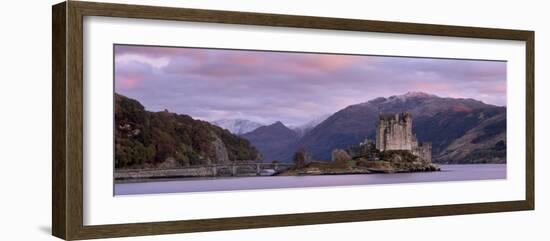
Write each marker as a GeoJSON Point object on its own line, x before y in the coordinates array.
{"type": "Point", "coordinates": [144, 138]}
{"type": "Point", "coordinates": [398, 156]}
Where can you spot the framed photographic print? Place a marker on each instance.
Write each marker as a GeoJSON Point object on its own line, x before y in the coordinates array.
{"type": "Point", "coordinates": [171, 120]}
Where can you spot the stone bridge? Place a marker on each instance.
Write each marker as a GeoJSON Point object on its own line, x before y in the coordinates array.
{"type": "Point", "coordinates": [230, 169]}
{"type": "Point", "coordinates": [257, 167]}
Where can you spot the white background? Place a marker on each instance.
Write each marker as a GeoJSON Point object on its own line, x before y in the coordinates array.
{"type": "Point", "coordinates": [25, 126]}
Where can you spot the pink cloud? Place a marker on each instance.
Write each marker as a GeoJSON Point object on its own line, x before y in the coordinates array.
{"type": "Point", "coordinates": [220, 72]}
{"type": "Point", "coordinates": [490, 69]}
{"type": "Point", "coordinates": [155, 51]}
{"type": "Point", "coordinates": [244, 59]}
{"type": "Point", "coordinates": [127, 83]}
{"type": "Point", "coordinates": [240, 63]}
{"type": "Point", "coordinates": [497, 88]}
{"type": "Point", "coordinates": [255, 79]}
{"type": "Point", "coordinates": [315, 63]}
{"type": "Point", "coordinates": [283, 61]}
{"type": "Point", "coordinates": [131, 75]}
{"type": "Point", "coordinates": [326, 62]}
{"type": "Point", "coordinates": [433, 87]}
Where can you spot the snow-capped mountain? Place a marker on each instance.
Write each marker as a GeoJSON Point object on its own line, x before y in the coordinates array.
{"type": "Point", "coordinates": [303, 129]}
{"type": "Point", "coordinates": [237, 126]}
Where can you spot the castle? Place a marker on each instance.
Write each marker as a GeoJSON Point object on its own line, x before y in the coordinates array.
{"type": "Point", "coordinates": [394, 132]}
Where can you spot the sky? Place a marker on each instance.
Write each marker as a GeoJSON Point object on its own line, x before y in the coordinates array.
{"type": "Point", "coordinates": [294, 88]}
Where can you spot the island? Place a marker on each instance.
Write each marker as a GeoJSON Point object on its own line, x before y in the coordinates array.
{"type": "Point", "coordinates": [394, 150]}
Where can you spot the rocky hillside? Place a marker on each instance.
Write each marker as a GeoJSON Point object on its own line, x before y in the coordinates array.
{"type": "Point", "coordinates": [164, 139]}
{"type": "Point", "coordinates": [461, 130]}
{"type": "Point", "coordinates": [485, 143]}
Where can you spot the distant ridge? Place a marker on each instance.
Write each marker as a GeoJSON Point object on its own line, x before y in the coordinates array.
{"type": "Point", "coordinates": [273, 141]}
{"type": "Point", "coordinates": [462, 130]}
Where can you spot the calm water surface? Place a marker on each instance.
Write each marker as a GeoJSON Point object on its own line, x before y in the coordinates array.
{"type": "Point", "coordinates": [447, 173]}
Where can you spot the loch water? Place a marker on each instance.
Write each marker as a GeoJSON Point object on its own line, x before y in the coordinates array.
{"type": "Point", "coordinates": [447, 173]}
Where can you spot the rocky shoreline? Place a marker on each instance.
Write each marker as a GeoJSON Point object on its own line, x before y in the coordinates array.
{"type": "Point", "coordinates": [360, 167]}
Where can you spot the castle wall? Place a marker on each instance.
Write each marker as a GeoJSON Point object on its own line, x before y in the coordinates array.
{"type": "Point", "coordinates": [423, 151]}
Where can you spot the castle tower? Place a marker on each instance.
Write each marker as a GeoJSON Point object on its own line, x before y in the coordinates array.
{"type": "Point", "coordinates": [394, 132]}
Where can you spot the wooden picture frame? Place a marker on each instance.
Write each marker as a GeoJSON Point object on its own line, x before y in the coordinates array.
{"type": "Point", "coordinates": [67, 77]}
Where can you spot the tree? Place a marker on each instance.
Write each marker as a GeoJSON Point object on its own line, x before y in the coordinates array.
{"type": "Point", "coordinates": [301, 157]}
{"type": "Point", "coordinates": [340, 156]}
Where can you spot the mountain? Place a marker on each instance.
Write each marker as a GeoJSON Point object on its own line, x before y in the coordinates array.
{"type": "Point", "coordinates": [164, 139]}
{"type": "Point", "coordinates": [485, 143]}
{"type": "Point", "coordinates": [461, 131]}
{"type": "Point", "coordinates": [448, 123]}
{"type": "Point", "coordinates": [273, 141]}
{"type": "Point", "coordinates": [237, 126]}
{"type": "Point", "coordinates": [303, 129]}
